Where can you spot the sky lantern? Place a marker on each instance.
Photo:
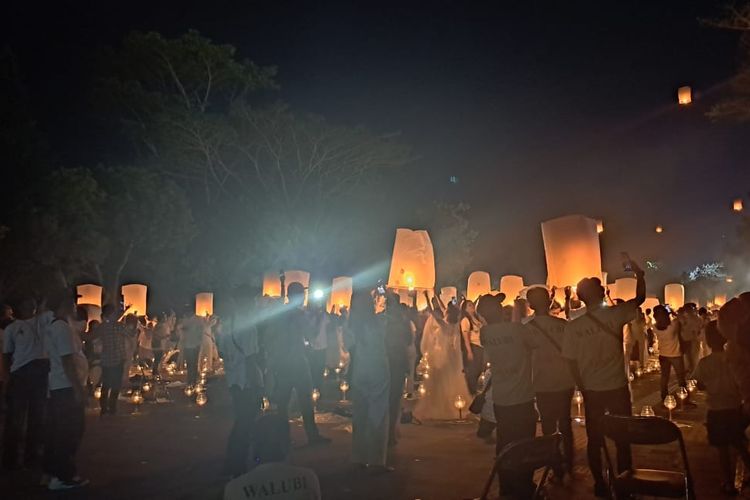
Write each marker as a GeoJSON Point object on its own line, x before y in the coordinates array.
{"type": "Point", "coordinates": [204, 304]}
{"type": "Point", "coordinates": [413, 261]}
{"type": "Point", "coordinates": [271, 284]}
{"type": "Point", "coordinates": [422, 300]}
{"type": "Point", "coordinates": [625, 288]}
{"type": "Point", "coordinates": [89, 294]}
{"type": "Point", "coordinates": [135, 297]}
{"type": "Point", "coordinates": [341, 293]}
{"type": "Point", "coordinates": [684, 95]}
{"type": "Point", "coordinates": [599, 226]}
{"type": "Point", "coordinates": [296, 276]}
{"type": "Point", "coordinates": [612, 287]}
{"type": "Point", "coordinates": [511, 285]}
{"type": "Point", "coordinates": [571, 248]}
{"type": "Point", "coordinates": [674, 295]}
{"type": "Point", "coordinates": [720, 299]}
{"type": "Point", "coordinates": [659, 229]}
{"type": "Point", "coordinates": [448, 293]}
{"type": "Point", "coordinates": [479, 284]}
{"type": "Point", "coordinates": [737, 205]}
{"type": "Point", "coordinates": [650, 303]}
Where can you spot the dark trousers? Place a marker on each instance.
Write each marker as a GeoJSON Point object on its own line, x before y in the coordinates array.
{"type": "Point", "coordinates": [317, 365]}
{"type": "Point", "coordinates": [296, 375]}
{"type": "Point", "coordinates": [666, 364]}
{"type": "Point", "coordinates": [597, 403]}
{"type": "Point", "coordinates": [245, 409]}
{"type": "Point", "coordinates": [554, 411]}
{"type": "Point", "coordinates": [111, 385]}
{"type": "Point", "coordinates": [191, 358]}
{"type": "Point", "coordinates": [398, 366]}
{"type": "Point", "coordinates": [515, 422]}
{"type": "Point", "coordinates": [473, 368]}
{"type": "Point", "coordinates": [66, 426]}
{"type": "Point", "coordinates": [26, 397]}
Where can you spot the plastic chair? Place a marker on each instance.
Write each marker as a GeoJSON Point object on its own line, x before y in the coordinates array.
{"type": "Point", "coordinates": [527, 455]}
{"type": "Point", "coordinates": [651, 482]}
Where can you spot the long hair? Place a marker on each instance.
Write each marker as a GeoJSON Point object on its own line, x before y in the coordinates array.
{"type": "Point", "coordinates": [362, 312]}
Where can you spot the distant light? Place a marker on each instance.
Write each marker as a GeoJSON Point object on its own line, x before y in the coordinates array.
{"type": "Point", "coordinates": [454, 179]}
{"type": "Point", "coordinates": [737, 205]}
{"type": "Point", "coordinates": [684, 95]}
{"type": "Point", "coordinates": [659, 229]}
{"type": "Point", "coordinates": [599, 226]}
{"type": "Point", "coordinates": [730, 279]}
{"type": "Point", "coordinates": [318, 294]}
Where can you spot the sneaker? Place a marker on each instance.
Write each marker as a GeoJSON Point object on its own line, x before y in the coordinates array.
{"type": "Point", "coordinates": [56, 484]}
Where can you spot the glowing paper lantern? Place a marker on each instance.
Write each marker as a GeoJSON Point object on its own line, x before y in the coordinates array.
{"type": "Point", "coordinates": [447, 293]}
{"type": "Point", "coordinates": [737, 205]}
{"type": "Point", "coordinates": [511, 285]}
{"type": "Point", "coordinates": [612, 287]}
{"type": "Point", "coordinates": [674, 295]}
{"type": "Point", "coordinates": [684, 95]}
{"type": "Point", "coordinates": [599, 226]}
{"type": "Point", "coordinates": [89, 294]}
{"type": "Point", "coordinates": [478, 285]}
{"type": "Point", "coordinates": [341, 293]}
{"type": "Point", "coordinates": [135, 298]}
{"type": "Point", "coordinates": [204, 304]}
{"type": "Point", "coordinates": [571, 248]}
{"type": "Point", "coordinates": [720, 299]}
{"type": "Point", "coordinates": [413, 261]}
{"type": "Point", "coordinates": [605, 274]}
{"type": "Point", "coordinates": [302, 277]}
{"type": "Point", "coordinates": [271, 284]}
{"type": "Point", "coordinates": [650, 303]}
{"type": "Point", "coordinates": [625, 288]}
{"type": "Point", "coordinates": [659, 229]}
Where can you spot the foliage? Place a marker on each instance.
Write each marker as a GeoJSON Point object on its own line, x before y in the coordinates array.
{"type": "Point", "coordinates": [452, 240]}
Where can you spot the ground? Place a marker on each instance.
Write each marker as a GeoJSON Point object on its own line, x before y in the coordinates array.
{"type": "Point", "coordinates": [175, 451]}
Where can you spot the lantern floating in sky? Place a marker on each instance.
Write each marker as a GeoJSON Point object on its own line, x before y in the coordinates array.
{"type": "Point", "coordinates": [659, 229]}
{"type": "Point", "coordinates": [301, 277]}
{"type": "Point", "coordinates": [135, 298]}
{"type": "Point", "coordinates": [89, 294]}
{"type": "Point", "coordinates": [448, 293]}
{"type": "Point", "coordinates": [478, 285]}
{"type": "Point", "coordinates": [571, 248]}
{"type": "Point", "coordinates": [271, 284]}
{"type": "Point", "coordinates": [341, 293]}
{"type": "Point", "coordinates": [511, 285]}
{"type": "Point", "coordinates": [599, 226]}
{"type": "Point", "coordinates": [684, 95]}
{"type": "Point", "coordinates": [674, 295]}
{"type": "Point", "coordinates": [650, 303]}
{"type": "Point", "coordinates": [204, 304]}
{"type": "Point", "coordinates": [413, 261]}
{"type": "Point", "coordinates": [737, 205]}
{"type": "Point", "coordinates": [720, 299]}
{"type": "Point", "coordinates": [625, 288]}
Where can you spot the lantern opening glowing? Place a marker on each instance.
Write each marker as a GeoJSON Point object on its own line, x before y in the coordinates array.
{"type": "Point", "coordinates": [511, 285]}
{"type": "Point", "coordinates": [135, 298]}
{"type": "Point", "coordinates": [413, 261]}
{"type": "Point", "coordinates": [89, 294]}
{"type": "Point", "coordinates": [737, 205]}
{"type": "Point", "coordinates": [684, 95]}
{"type": "Point", "coordinates": [341, 293]}
{"type": "Point", "coordinates": [479, 284]}
{"type": "Point", "coordinates": [674, 295]}
{"type": "Point", "coordinates": [659, 229]}
{"type": "Point", "coordinates": [271, 284]}
{"type": "Point", "coordinates": [572, 251]}
{"type": "Point", "coordinates": [204, 304]}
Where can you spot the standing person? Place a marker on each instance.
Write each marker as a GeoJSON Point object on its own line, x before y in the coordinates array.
{"type": "Point", "coordinates": [370, 384]}
{"type": "Point", "coordinates": [398, 336]}
{"type": "Point", "coordinates": [112, 336]}
{"type": "Point", "coordinates": [724, 420]}
{"type": "Point", "coordinates": [668, 335]}
{"type": "Point", "coordinates": [319, 343]}
{"type": "Point", "coordinates": [552, 381]}
{"type": "Point", "coordinates": [24, 353]}
{"type": "Point", "coordinates": [734, 325]}
{"type": "Point", "coordinates": [6, 318]}
{"type": "Point", "coordinates": [472, 351]}
{"type": "Point", "coordinates": [192, 329]}
{"type": "Point", "coordinates": [159, 335]}
{"type": "Point", "coordinates": [67, 397]}
{"type": "Point", "coordinates": [593, 348]}
{"type": "Point", "coordinates": [237, 341]}
{"type": "Point", "coordinates": [131, 345]}
{"type": "Point", "coordinates": [288, 361]}
{"type": "Point", "coordinates": [690, 335]}
{"type": "Point", "coordinates": [509, 352]}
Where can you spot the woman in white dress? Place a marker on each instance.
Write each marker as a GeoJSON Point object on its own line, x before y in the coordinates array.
{"type": "Point", "coordinates": [441, 343]}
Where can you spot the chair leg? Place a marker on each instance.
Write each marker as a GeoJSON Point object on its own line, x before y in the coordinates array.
{"type": "Point", "coordinates": [488, 483]}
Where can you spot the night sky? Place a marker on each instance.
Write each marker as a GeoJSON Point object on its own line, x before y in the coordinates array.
{"type": "Point", "coordinates": [540, 109]}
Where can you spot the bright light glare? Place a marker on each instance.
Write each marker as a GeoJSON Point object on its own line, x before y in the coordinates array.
{"type": "Point", "coordinates": [318, 294]}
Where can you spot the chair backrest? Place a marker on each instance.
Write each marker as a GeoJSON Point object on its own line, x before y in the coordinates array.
{"type": "Point", "coordinates": [640, 430]}
{"type": "Point", "coordinates": [530, 454]}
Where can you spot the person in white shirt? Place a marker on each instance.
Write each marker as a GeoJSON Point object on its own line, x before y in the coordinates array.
{"type": "Point", "coordinates": [24, 353]}
{"type": "Point", "coordinates": [471, 346]}
{"type": "Point", "coordinates": [690, 331]}
{"type": "Point", "coordinates": [67, 397]}
{"type": "Point", "coordinates": [670, 356]}
{"type": "Point", "coordinates": [273, 477]}
{"type": "Point", "coordinates": [593, 348]}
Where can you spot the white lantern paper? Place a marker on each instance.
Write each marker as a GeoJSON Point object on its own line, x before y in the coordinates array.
{"type": "Point", "coordinates": [89, 294]}
{"type": "Point", "coordinates": [674, 295]}
{"type": "Point", "coordinates": [684, 95]}
{"type": "Point", "coordinates": [204, 304]}
{"type": "Point", "coordinates": [625, 288]}
{"type": "Point", "coordinates": [650, 303]}
{"type": "Point", "coordinates": [341, 293]}
{"type": "Point", "coordinates": [271, 284]}
{"type": "Point", "coordinates": [447, 293]}
{"type": "Point", "coordinates": [413, 261]}
{"type": "Point", "coordinates": [737, 205]}
{"type": "Point", "coordinates": [302, 277]}
{"type": "Point", "coordinates": [511, 285]}
{"type": "Point", "coordinates": [479, 284]}
{"type": "Point", "coordinates": [612, 287]}
{"type": "Point", "coordinates": [135, 298]}
{"type": "Point", "coordinates": [571, 247]}
{"type": "Point", "coordinates": [720, 299]}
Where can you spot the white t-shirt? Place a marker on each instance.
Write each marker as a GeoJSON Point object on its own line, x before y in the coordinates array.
{"type": "Point", "coordinates": [598, 352]}
{"type": "Point", "coordinates": [62, 341]}
{"type": "Point", "coordinates": [508, 349]}
{"type": "Point", "coordinates": [24, 339]}
{"type": "Point", "coordinates": [473, 329]}
{"type": "Point", "coordinates": [275, 481]}
{"type": "Point", "coordinates": [669, 340]}
{"type": "Point", "coordinates": [550, 371]}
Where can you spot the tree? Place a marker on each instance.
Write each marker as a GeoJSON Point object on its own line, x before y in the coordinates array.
{"type": "Point", "coordinates": [452, 240]}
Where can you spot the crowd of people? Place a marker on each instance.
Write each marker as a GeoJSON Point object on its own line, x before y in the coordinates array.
{"type": "Point", "coordinates": [516, 361]}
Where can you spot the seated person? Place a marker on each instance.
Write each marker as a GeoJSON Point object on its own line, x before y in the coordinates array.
{"type": "Point", "coordinates": [273, 477]}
